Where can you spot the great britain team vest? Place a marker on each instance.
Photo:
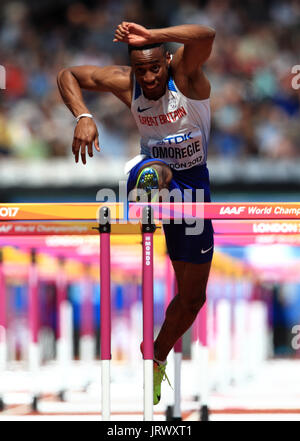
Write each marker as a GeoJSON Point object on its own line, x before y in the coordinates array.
{"type": "Point", "coordinates": [173, 128]}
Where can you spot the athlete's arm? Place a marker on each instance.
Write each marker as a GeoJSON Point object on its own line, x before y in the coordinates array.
{"type": "Point", "coordinates": [186, 63]}
{"type": "Point", "coordinates": [197, 41]}
{"type": "Point", "coordinates": [70, 81]}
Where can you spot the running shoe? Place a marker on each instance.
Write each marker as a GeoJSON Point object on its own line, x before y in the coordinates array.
{"type": "Point", "coordinates": [159, 375]}
{"type": "Point", "coordinates": [148, 180]}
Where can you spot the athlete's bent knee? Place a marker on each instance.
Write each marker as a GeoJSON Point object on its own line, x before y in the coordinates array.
{"type": "Point", "coordinates": [166, 176]}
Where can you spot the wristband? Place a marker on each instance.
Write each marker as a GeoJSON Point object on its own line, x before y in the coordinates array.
{"type": "Point", "coordinates": [83, 115]}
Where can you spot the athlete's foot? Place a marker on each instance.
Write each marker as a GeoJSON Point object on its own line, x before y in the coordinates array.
{"type": "Point", "coordinates": [148, 180]}
{"type": "Point", "coordinates": [159, 374]}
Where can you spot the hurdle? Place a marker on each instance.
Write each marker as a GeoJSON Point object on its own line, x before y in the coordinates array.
{"type": "Point", "coordinates": [201, 325]}
{"type": "Point", "coordinates": [32, 217]}
{"type": "Point", "coordinates": [34, 356]}
{"type": "Point", "coordinates": [177, 380]}
{"type": "Point", "coordinates": [173, 413]}
{"type": "Point", "coordinates": [63, 319]}
{"type": "Point", "coordinates": [86, 342]}
{"type": "Point", "coordinates": [148, 228]}
{"type": "Point", "coordinates": [3, 347]}
{"type": "Point", "coordinates": [105, 310]}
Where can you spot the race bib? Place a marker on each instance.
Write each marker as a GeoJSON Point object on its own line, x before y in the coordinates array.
{"type": "Point", "coordinates": [180, 151]}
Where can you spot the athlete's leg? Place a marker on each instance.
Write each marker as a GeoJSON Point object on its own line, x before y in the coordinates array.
{"type": "Point", "coordinates": [192, 280]}
{"type": "Point", "coordinates": [191, 277]}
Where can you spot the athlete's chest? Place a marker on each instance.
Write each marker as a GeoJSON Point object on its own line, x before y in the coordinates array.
{"type": "Point", "coordinates": [169, 109]}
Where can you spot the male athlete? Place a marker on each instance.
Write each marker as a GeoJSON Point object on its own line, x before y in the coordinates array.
{"type": "Point", "coordinates": [169, 99]}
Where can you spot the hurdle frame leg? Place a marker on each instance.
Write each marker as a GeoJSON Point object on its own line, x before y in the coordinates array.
{"type": "Point", "coordinates": [204, 397]}
{"type": "Point", "coordinates": [34, 355]}
{"type": "Point", "coordinates": [3, 336]}
{"type": "Point", "coordinates": [63, 349]}
{"type": "Point", "coordinates": [201, 323]}
{"type": "Point", "coordinates": [105, 311]}
{"type": "Point", "coordinates": [148, 389]}
{"type": "Point", "coordinates": [177, 369]}
{"type": "Point", "coordinates": [148, 228]}
{"type": "Point", "coordinates": [177, 380]}
{"type": "Point", "coordinates": [174, 412]}
{"type": "Point", "coordinates": [65, 346]}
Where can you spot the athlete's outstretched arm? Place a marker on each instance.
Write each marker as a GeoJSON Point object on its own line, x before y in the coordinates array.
{"type": "Point", "coordinates": [70, 81]}
{"type": "Point", "coordinates": [197, 41]}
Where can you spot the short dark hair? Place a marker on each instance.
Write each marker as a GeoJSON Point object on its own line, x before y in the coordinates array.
{"type": "Point", "coordinates": [145, 47]}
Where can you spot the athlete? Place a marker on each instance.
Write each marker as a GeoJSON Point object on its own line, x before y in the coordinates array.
{"type": "Point", "coordinates": [169, 99]}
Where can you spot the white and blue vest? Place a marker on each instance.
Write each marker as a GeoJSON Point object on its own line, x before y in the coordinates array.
{"type": "Point", "coordinates": [173, 128]}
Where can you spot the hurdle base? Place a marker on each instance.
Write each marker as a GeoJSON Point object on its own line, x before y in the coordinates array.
{"type": "Point", "coordinates": [86, 386]}
{"type": "Point", "coordinates": [170, 414]}
{"type": "Point", "coordinates": [34, 403]}
{"type": "Point", "coordinates": [204, 413]}
{"type": "Point", "coordinates": [62, 395]}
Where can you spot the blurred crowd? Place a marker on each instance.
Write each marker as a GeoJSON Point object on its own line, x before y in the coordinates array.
{"type": "Point", "coordinates": [255, 110]}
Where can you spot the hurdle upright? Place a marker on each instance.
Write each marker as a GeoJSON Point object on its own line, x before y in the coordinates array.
{"type": "Point", "coordinates": [177, 372]}
{"type": "Point", "coordinates": [148, 228]}
{"type": "Point", "coordinates": [34, 355]}
{"type": "Point", "coordinates": [3, 337]}
{"type": "Point", "coordinates": [35, 221]}
{"type": "Point", "coordinates": [105, 310]}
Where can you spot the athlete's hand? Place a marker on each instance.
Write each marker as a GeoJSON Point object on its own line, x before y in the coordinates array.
{"type": "Point", "coordinates": [132, 33]}
{"type": "Point", "coordinates": [85, 135]}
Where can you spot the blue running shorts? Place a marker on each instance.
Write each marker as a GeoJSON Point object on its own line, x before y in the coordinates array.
{"type": "Point", "coordinates": [187, 248]}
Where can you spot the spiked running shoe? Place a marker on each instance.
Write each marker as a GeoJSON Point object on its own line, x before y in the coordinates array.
{"type": "Point", "coordinates": [148, 180]}
{"type": "Point", "coordinates": [159, 375]}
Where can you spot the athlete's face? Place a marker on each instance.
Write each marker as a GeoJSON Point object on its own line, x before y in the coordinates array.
{"type": "Point", "coordinates": [151, 71]}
